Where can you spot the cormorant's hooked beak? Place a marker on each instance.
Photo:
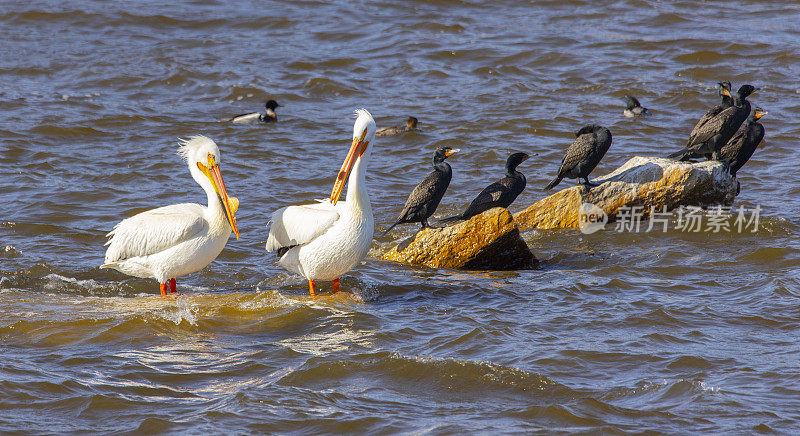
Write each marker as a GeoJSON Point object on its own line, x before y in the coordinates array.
{"type": "Point", "coordinates": [230, 204]}
{"type": "Point", "coordinates": [726, 93]}
{"type": "Point", "coordinates": [356, 150]}
{"type": "Point", "coordinates": [760, 114]}
{"type": "Point", "coordinates": [451, 152]}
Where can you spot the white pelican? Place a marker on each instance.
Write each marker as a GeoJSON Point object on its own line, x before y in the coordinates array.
{"type": "Point", "coordinates": [324, 240]}
{"type": "Point", "coordinates": [178, 239]}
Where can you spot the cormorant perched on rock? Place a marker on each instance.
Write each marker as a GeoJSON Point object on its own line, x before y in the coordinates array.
{"type": "Point", "coordinates": [590, 145]}
{"type": "Point", "coordinates": [425, 198]}
{"type": "Point", "coordinates": [739, 149]}
{"type": "Point", "coordinates": [411, 124]}
{"type": "Point", "coordinates": [500, 193]}
{"type": "Point", "coordinates": [727, 102]}
{"type": "Point", "coordinates": [632, 107]}
{"type": "Point", "coordinates": [707, 139]}
{"type": "Point", "coordinates": [256, 117]}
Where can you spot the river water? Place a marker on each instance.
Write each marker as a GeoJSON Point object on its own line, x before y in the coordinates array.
{"type": "Point", "coordinates": [614, 332]}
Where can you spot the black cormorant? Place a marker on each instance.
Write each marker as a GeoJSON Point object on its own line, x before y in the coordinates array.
{"type": "Point", "coordinates": [590, 145]}
{"type": "Point", "coordinates": [707, 139]}
{"type": "Point", "coordinates": [411, 124]}
{"type": "Point", "coordinates": [256, 117]}
{"type": "Point", "coordinates": [500, 193]}
{"type": "Point", "coordinates": [425, 198]}
{"type": "Point", "coordinates": [739, 149]}
{"type": "Point", "coordinates": [727, 101]}
{"type": "Point", "coordinates": [633, 107]}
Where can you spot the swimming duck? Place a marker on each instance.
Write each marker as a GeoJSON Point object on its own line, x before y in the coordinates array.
{"type": "Point", "coordinates": [411, 124]}
{"type": "Point", "coordinates": [633, 108]}
{"type": "Point", "coordinates": [256, 117]}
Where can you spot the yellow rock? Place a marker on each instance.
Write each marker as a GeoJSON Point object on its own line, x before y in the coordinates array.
{"type": "Point", "coordinates": [489, 240]}
{"type": "Point", "coordinates": [641, 181]}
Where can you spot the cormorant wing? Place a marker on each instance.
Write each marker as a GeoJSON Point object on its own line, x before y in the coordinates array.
{"type": "Point", "coordinates": [578, 151]}
{"type": "Point", "coordinates": [491, 196]}
{"type": "Point", "coordinates": [426, 190]}
{"type": "Point", "coordinates": [154, 231]}
{"type": "Point", "coordinates": [731, 149]}
{"type": "Point", "coordinates": [714, 111]}
{"type": "Point", "coordinates": [711, 127]}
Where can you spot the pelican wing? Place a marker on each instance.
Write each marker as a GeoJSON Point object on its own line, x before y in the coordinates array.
{"type": "Point", "coordinates": [154, 231]}
{"type": "Point", "coordinates": [299, 225]}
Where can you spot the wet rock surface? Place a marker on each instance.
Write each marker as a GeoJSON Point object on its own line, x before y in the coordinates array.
{"type": "Point", "coordinates": [642, 181]}
{"type": "Point", "coordinates": [490, 241]}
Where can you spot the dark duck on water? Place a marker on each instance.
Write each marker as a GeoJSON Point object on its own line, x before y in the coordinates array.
{"type": "Point", "coordinates": [411, 124]}
{"type": "Point", "coordinates": [632, 107]}
{"type": "Point", "coordinates": [256, 117]}
{"type": "Point", "coordinates": [708, 139]}
{"type": "Point", "coordinates": [425, 197]}
{"type": "Point", "coordinates": [590, 145]}
{"type": "Point", "coordinates": [500, 193]}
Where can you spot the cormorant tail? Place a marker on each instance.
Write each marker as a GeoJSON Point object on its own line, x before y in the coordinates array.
{"type": "Point", "coordinates": [676, 154]}
{"type": "Point", "coordinates": [450, 218]}
{"type": "Point", "coordinates": [555, 182]}
{"type": "Point", "coordinates": [389, 229]}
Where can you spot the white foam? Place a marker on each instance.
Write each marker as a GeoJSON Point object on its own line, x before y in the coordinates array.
{"type": "Point", "coordinates": [707, 388]}
{"type": "Point", "coordinates": [54, 280]}
{"type": "Point", "coordinates": [183, 311]}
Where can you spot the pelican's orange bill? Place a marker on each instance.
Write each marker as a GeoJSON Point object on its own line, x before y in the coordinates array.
{"type": "Point", "coordinates": [213, 173]}
{"type": "Point", "coordinates": [356, 150]}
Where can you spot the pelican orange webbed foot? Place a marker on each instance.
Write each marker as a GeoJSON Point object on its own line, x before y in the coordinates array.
{"type": "Point", "coordinates": [179, 239]}
{"type": "Point", "coordinates": [322, 241]}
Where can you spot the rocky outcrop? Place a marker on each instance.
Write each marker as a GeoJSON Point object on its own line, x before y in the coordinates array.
{"type": "Point", "coordinates": [641, 181]}
{"type": "Point", "coordinates": [488, 241]}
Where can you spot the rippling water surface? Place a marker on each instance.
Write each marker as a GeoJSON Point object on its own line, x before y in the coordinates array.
{"type": "Point", "coordinates": [614, 332]}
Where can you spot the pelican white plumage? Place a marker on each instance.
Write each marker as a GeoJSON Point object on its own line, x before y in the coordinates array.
{"type": "Point", "coordinates": [324, 240]}
{"type": "Point", "coordinates": [178, 239]}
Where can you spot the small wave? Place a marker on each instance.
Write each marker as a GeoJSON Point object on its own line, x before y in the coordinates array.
{"type": "Point", "coordinates": [250, 94]}
{"type": "Point", "coordinates": [322, 87]}
{"type": "Point", "coordinates": [322, 65]}
{"type": "Point", "coordinates": [59, 283]}
{"type": "Point", "coordinates": [701, 57]}
{"type": "Point", "coordinates": [69, 132]}
{"type": "Point", "coordinates": [440, 27]}
{"type": "Point", "coordinates": [683, 389]}
{"type": "Point", "coordinates": [429, 372]}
